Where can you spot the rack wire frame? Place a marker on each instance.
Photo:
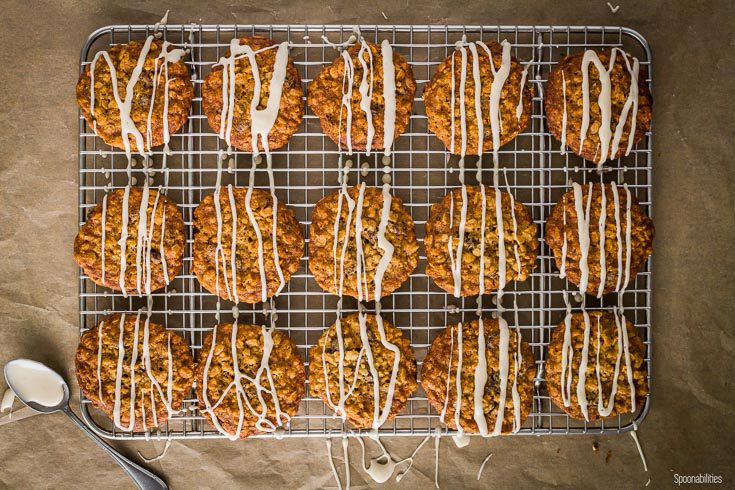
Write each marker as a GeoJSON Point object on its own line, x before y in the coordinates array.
{"type": "Point", "coordinates": [306, 170]}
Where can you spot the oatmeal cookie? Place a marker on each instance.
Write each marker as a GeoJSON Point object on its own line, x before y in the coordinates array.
{"type": "Point", "coordinates": [150, 123]}
{"type": "Point", "coordinates": [612, 358]}
{"type": "Point", "coordinates": [440, 371]}
{"type": "Point", "coordinates": [154, 248]}
{"type": "Point", "coordinates": [326, 91]}
{"type": "Point", "coordinates": [521, 241]}
{"type": "Point", "coordinates": [291, 108]}
{"type": "Point", "coordinates": [328, 268]}
{"type": "Point", "coordinates": [359, 401]}
{"type": "Point", "coordinates": [564, 94]}
{"type": "Point", "coordinates": [562, 227]}
{"type": "Point", "coordinates": [154, 362]}
{"type": "Point", "coordinates": [215, 273]}
{"type": "Point", "coordinates": [251, 408]}
{"type": "Point", "coordinates": [441, 114]}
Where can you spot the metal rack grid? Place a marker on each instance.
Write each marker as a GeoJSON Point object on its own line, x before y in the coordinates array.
{"type": "Point", "coordinates": [306, 170]}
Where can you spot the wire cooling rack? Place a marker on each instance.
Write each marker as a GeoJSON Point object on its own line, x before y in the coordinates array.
{"type": "Point", "coordinates": [306, 170]}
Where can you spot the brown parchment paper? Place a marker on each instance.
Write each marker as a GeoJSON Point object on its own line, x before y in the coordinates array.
{"type": "Point", "coordinates": [690, 428]}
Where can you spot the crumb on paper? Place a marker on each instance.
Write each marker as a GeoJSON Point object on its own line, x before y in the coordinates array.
{"type": "Point", "coordinates": [595, 446]}
{"type": "Point", "coordinates": [614, 9]}
{"type": "Point", "coordinates": [607, 456]}
{"type": "Point", "coordinates": [383, 14]}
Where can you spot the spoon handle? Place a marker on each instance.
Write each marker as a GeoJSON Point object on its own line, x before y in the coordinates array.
{"type": "Point", "coordinates": [144, 479]}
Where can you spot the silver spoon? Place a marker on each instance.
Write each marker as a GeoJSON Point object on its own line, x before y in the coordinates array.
{"type": "Point", "coordinates": [23, 375]}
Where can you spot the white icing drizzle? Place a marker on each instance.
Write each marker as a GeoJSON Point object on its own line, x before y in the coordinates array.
{"type": "Point", "coordinates": [634, 435]}
{"type": "Point", "coordinates": [127, 126]}
{"type": "Point", "coordinates": [124, 241]}
{"type": "Point", "coordinates": [582, 374]}
{"type": "Point", "coordinates": [517, 364]}
{"type": "Point", "coordinates": [366, 91]}
{"type": "Point", "coordinates": [563, 148]}
{"type": "Point", "coordinates": [583, 231]}
{"type": "Point", "coordinates": [389, 96]}
{"type": "Point", "coordinates": [481, 380]}
{"type": "Point", "coordinates": [628, 241]}
{"type": "Point", "coordinates": [604, 101]}
{"type": "Point", "coordinates": [503, 367]}
{"type": "Point", "coordinates": [346, 457]}
{"type": "Point", "coordinates": [567, 356]}
{"type": "Point", "coordinates": [480, 374]}
{"type": "Point", "coordinates": [383, 467]}
{"type": "Point", "coordinates": [331, 462]}
{"type": "Point", "coordinates": [99, 361]}
{"type": "Point", "coordinates": [622, 321]}
{"type": "Point", "coordinates": [437, 440]}
{"type": "Point", "coordinates": [356, 206]}
{"type": "Point", "coordinates": [524, 75]}
{"type": "Point", "coordinates": [7, 402]}
{"type": "Point", "coordinates": [166, 398]}
{"type": "Point", "coordinates": [103, 232]}
{"type": "Point", "coordinates": [348, 79]}
{"type": "Point", "coordinates": [601, 229]}
{"type": "Point", "coordinates": [443, 413]}
{"type": "Point", "coordinates": [263, 423]}
{"type": "Point", "coordinates": [603, 408]}
{"type": "Point", "coordinates": [160, 456]}
{"type": "Point", "coordinates": [262, 121]}
{"type": "Point", "coordinates": [233, 243]}
{"type": "Point", "coordinates": [458, 386]}
{"type": "Point", "coordinates": [616, 203]}
{"type": "Point", "coordinates": [219, 253]}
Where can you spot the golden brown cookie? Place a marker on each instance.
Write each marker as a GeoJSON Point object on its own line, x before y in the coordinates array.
{"type": "Point", "coordinates": [215, 273]}
{"type": "Point", "coordinates": [358, 400]}
{"type": "Point", "coordinates": [438, 100]}
{"type": "Point", "coordinates": [612, 358]}
{"type": "Point", "coordinates": [565, 89]}
{"type": "Point", "coordinates": [443, 225]}
{"type": "Point", "coordinates": [104, 118]}
{"type": "Point", "coordinates": [248, 405]}
{"type": "Point", "coordinates": [325, 97]}
{"type": "Point", "coordinates": [328, 268]}
{"type": "Point", "coordinates": [291, 108]}
{"type": "Point", "coordinates": [147, 249]}
{"type": "Point", "coordinates": [439, 376]}
{"type": "Point", "coordinates": [563, 223]}
{"type": "Point", "coordinates": [162, 364]}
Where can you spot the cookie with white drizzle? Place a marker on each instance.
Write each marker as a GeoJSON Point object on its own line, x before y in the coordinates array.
{"type": "Point", "coordinates": [250, 379]}
{"type": "Point", "coordinates": [450, 367]}
{"type": "Point", "coordinates": [134, 370]}
{"type": "Point", "coordinates": [226, 262]}
{"type": "Point", "coordinates": [598, 104]}
{"type": "Point", "coordinates": [453, 86]}
{"type": "Point", "coordinates": [574, 234]}
{"type": "Point", "coordinates": [596, 365]}
{"type": "Point", "coordinates": [443, 233]}
{"type": "Point", "coordinates": [359, 208]}
{"type": "Point", "coordinates": [349, 363]}
{"type": "Point", "coordinates": [227, 94]}
{"type": "Point", "coordinates": [153, 251]}
{"type": "Point", "coordinates": [160, 101]}
{"type": "Point", "coordinates": [358, 77]}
